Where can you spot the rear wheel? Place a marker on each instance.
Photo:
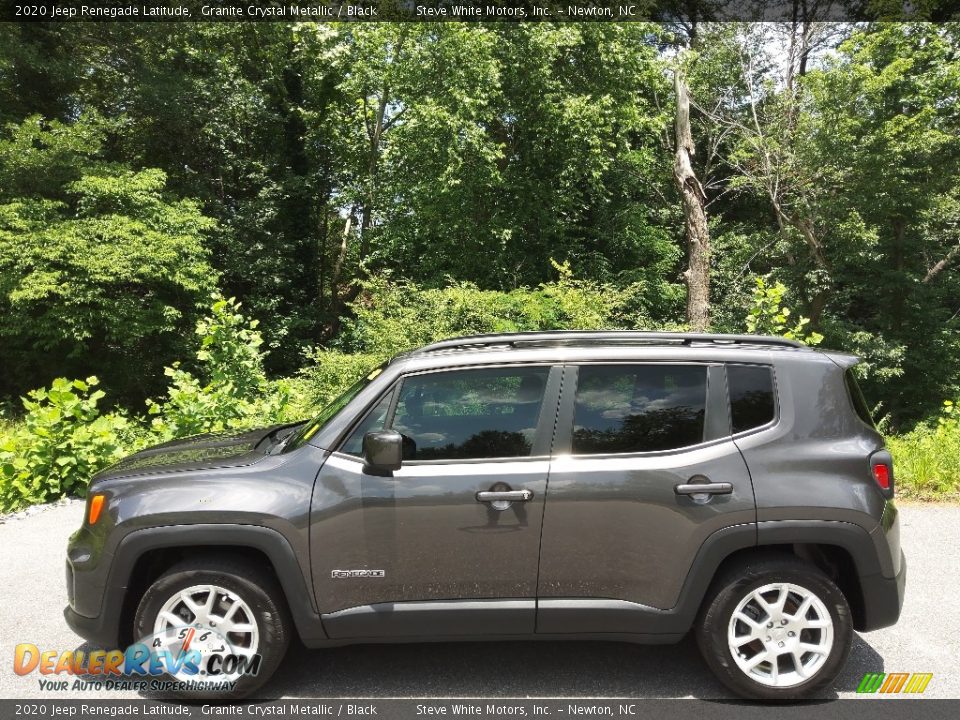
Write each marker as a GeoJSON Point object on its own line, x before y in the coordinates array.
{"type": "Point", "coordinates": [219, 622]}
{"type": "Point", "coordinates": [775, 628]}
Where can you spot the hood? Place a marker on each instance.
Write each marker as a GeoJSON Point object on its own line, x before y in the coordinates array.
{"type": "Point", "coordinates": [200, 452]}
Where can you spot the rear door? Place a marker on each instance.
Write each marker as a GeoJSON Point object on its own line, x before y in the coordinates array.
{"type": "Point", "coordinates": [449, 543]}
{"type": "Point", "coordinates": [644, 470]}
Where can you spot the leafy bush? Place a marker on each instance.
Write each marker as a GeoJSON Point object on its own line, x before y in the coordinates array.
{"type": "Point", "coordinates": [232, 391]}
{"type": "Point", "coordinates": [329, 373]}
{"type": "Point", "coordinates": [389, 317]}
{"type": "Point", "coordinates": [62, 441]}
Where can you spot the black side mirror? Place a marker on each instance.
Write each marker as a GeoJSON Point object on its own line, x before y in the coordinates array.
{"type": "Point", "coordinates": [383, 451]}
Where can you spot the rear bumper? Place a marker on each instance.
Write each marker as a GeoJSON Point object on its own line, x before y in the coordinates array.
{"type": "Point", "coordinates": [883, 598]}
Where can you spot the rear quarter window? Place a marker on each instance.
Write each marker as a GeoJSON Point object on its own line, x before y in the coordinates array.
{"type": "Point", "coordinates": [856, 397]}
{"type": "Point", "coordinates": [752, 402]}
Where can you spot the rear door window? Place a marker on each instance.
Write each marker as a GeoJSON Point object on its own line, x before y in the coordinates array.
{"type": "Point", "coordinates": [638, 408]}
{"type": "Point", "coordinates": [752, 401]}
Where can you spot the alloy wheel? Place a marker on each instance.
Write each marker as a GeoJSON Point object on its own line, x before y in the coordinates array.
{"type": "Point", "coordinates": [211, 620]}
{"type": "Point", "coordinates": [780, 635]}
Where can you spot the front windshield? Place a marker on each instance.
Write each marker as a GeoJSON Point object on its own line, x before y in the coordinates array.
{"type": "Point", "coordinates": [312, 427]}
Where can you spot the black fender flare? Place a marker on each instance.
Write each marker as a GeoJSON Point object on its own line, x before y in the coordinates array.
{"type": "Point", "coordinates": [853, 538]}
{"type": "Point", "coordinates": [719, 546]}
{"type": "Point", "coordinates": [294, 580]}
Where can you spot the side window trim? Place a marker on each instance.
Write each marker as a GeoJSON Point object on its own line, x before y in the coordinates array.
{"type": "Point", "coordinates": [563, 434]}
{"type": "Point", "coordinates": [394, 401]}
{"type": "Point", "coordinates": [546, 423]}
{"type": "Point", "coordinates": [716, 420]}
{"type": "Point", "coordinates": [716, 401]}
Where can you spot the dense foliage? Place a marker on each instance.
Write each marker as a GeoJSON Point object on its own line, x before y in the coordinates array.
{"type": "Point", "coordinates": [99, 270]}
{"type": "Point", "coordinates": [62, 441]}
{"type": "Point", "coordinates": [365, 188]}
{"type": "Point", "coordinates": [927, 459]}
{"type": "Point", "coordinates": [64, 438]}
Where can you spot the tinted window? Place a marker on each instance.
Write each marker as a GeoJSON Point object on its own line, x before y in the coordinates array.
{"type": "Point", "coordinates": [638, 408]}
{"type": "Point", "coordinates": [856, 395]}
{"type": "Point", "coordinates": [751, 396]}
{"type": "Point", "coordinates": [488, 413]}
{"type": "Point", "coordinates": [373, 421]}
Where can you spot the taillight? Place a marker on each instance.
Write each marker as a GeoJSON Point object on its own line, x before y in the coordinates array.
{"type": "Point", "coordinates": [881, 473]}
{"type": "Point", "coordinates": [881, 467]}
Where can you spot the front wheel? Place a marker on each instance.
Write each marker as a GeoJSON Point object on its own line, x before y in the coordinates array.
{"type": "Point", "coordinates": [218, 627]}
{"type": "Point", "coordinates": [775, 628]}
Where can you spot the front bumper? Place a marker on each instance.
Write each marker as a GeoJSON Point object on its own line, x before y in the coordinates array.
{"type": "Point", "coordinates": [94, 606]}
{"type": "Point", "coordinates": [883, 598]}
{"type": "Point", "coordinates": [97, 630]}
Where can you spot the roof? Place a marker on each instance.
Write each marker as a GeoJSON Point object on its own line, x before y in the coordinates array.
{"type": "Point", "coordinates": [604, 338]}
{"type": "Point", "coordinates": [598, 345]}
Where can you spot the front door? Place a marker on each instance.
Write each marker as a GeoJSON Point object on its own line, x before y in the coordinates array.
{"type": "Point", "coordinates": [625, 516]}
{"type": "Point", "coordinates": [449, 544]}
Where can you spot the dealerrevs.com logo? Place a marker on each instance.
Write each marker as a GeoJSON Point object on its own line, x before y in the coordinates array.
{"type": "Point", "coordinates": [185, 659]}
{"type": "Point", "coordinates": [889, 683]}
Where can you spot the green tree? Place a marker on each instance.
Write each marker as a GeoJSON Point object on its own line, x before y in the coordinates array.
{"type": "Point", "coordinates": [456, 159]}
{"type": "Point", "coordinates": [100, 270]}
{"type": "Point", "coordinates": [889, 143]}
{"type": "Point", "coordinates": [853, 155]}
{"type": "Point", "coordinates": [769, 316]}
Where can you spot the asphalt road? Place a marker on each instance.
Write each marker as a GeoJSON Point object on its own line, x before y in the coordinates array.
{"type": "Point", "coordinates": [927, 638]}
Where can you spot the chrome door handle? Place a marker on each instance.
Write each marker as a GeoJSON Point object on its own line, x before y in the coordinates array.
{"type": "Point", "coordinates": [721, 488]}
{"type": "Point", "coordinates": [505, 495]}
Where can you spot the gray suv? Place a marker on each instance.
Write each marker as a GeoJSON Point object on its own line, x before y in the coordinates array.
{"type": "Point", "coordinates": [625, 486]}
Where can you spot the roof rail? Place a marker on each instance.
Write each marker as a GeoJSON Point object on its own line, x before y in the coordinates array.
{"type": "Point", "coordinates": [604, 337]}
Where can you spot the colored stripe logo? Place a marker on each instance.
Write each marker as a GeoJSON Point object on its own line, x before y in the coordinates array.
{"type": "Point", "coordinates": [890, 683]}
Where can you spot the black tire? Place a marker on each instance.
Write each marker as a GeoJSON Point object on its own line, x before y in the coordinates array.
{"type": "Point", "coordinates": [733, 586]}
{"type": "Point", "coordinates": [254, 585]}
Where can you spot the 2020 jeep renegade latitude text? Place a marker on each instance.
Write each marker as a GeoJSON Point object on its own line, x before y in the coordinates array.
{"type": "Point", "coordinates": [606, 485]}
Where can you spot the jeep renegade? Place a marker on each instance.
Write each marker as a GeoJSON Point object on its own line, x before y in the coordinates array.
{"type": "Point", "coordinates": [624, 486]}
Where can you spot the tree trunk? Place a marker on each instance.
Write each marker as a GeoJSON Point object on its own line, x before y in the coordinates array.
{"type": "Point", "coordinates": [899, 297]}
{"type": "Point", "coordinates": [697, 274]}
{"type": "Point", "coordinates": [338, 299]}
{"type": "Point", "coordinates": [805, 226]}
{"type": "Point", "coordinates": [373, 169]}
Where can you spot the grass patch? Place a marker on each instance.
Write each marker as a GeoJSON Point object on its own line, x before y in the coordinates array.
{"type": "Point", "coordinates": [926, 463]}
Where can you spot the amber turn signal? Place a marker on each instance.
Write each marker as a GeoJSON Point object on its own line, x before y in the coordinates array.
{"type": "Point", "coordinates": [96, 505]}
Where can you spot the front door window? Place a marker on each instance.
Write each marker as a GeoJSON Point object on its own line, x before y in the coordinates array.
{"type": "Point", "coordinates": [470, 414]}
